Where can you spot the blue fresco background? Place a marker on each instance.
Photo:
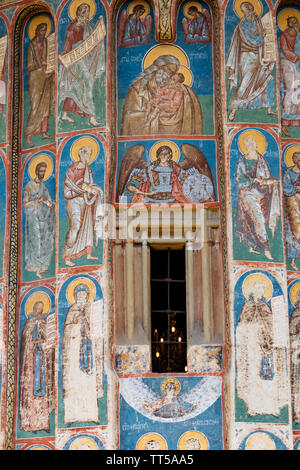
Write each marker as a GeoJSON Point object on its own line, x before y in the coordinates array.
{"type": "Point", "coordinates": [209, 422]}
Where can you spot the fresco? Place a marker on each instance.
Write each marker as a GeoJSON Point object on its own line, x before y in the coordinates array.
{"type": "Point", "coordinates": [135, 24]}
{"type": "Point", "coordinates": [3, 78]}
{"type": "Point", "coordinates": [205, 358]}
{"type": "Point", "coordinates": [294, 312]}
{"type": "Point", "coordinates": [81, 380]}
{"type": "Point", "coordinates": [167, 76]}
{"type": "Point", "coordinates": [262, 440]}
{"type": "Point", "coordinates": [3, 206]}
{"type": "Point", "coordinates": [81, 198]}
{"type": "Point", "coordinates": [155, 411]}
{"type": "Point", "coordinates": [250, 62]}
{"type": "Point", "coordinates": [82, 65]}
{"type": "Point", "coordinates": [38, 82]}
{"type": "Point", "coordinates": [291, 171]}
{"type": "Point", "coordinates": [288, 32]}
{"type": "Point", "coordinates": [84, 442]}
{"type": "Point", "coordinates": [39, 225]}
{"type": "Point", "coordinates": [167, 171]}
{"type": "Point", "coordinates": [255, 196]}
{"type": "Point", "coordinates": [37, 341]}
{"type": "Point", "coordinates": [261, 346]}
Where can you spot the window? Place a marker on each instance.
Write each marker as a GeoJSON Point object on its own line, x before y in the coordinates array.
{"type": "Point", "coordinates": [168, 310]}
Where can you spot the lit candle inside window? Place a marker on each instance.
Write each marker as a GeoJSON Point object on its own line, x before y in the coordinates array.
{"type": "Point", "coordinates": [179, 339]}
{"type": "Point", "coordinates": [185, 368]}
{"type": "Point", "coordinates": [173, 329]}
{"type": "Point", "coordinates": [161, 340]}
{"type": "Point", "coordinates": [157, 354]}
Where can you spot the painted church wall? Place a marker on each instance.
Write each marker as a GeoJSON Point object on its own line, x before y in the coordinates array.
{"type": "Point", "coordinates": [259, 193]}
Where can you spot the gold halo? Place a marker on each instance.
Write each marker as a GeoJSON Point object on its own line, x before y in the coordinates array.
{"type": "Point", "coordinates": [293, 292]}
{"type": "Point", "coordinates": [172, 145]}
{"type": "Point", "coordinates": [260, 438]}
{"type": "Point", "coordinates": [256, 4]}
{"type": "Point", "coordinates": [165, 49]}
{"type": "Point", "coordinates": [257, 136]}
{"type": "Point", "coordinates": [84, 440]}
{"type": "Point", "coordinates": [137, 2]}
{"type": "Point", "coordinates": [284, 15]}
{"type": "Point", "coordinates": [84, 142]}
{"type": "Point", "coordinates": [36, 21]}
{"type": "Point", "coordinates": [252, 279]}
{"type": "Point", "coordinates": [201, 438]}
{"type": "Point", "coordinates": [188, 76]}
{"type": "Point", "coordinates": [42, 157]}
{"type": "Point", "coordinates": [37, 297]}
{"type": "Point", "coordinates": [151, 436]}
{"type": "Point", "coordinates": [191, 4]}
{"type": "Point", "coordinates": [76, 3]}
{"type": "Point", "coordinates": [170, 380]}
{"type": "Point", "coordinates": [80, 280]}
{"type": "Point", "coordinates": [38, 448]}
{"type": "Point", "coordinates": [289, 154]}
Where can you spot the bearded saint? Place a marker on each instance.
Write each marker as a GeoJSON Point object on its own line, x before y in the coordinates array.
{"type": "Point", "coordinates": [140, 108]}
{"type": "Point", "coordinates": [261, 382]}
{"type": "Point", "coordinates": [291, 191]}
{"type": "Point", "coordinates": [36, 373]}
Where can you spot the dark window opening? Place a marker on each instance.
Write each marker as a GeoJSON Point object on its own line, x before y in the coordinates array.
{"type": "Point", "coordinates": [168, 310]}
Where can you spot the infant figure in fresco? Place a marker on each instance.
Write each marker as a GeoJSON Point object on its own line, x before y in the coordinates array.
{"type": "Point", "coordinates": [167, 99]}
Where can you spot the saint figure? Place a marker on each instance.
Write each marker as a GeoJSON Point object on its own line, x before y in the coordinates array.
{"type": "Point", "coordinates": [290, 75]}
{"type": "Point", "coordinates": [40, 86]}
{"type": "Point", "coordinates": [261, 374]}
{"type": "Point", "coordinates": [295, 357]}
{"type": "Point", "coordinates": [247, 72]}
{"type": "Point", "coordinates": [170, 405]}
{"type": "Point", "coordinates": [77, 79]}
{"type": "Point", "coordinates": [142, 115]}
{"type": "Point", "coordinates": [291, 191]}
{"type": "Point", "coordinates": [79, 369]}
{"type": "Point", "coordinates": [39, 224]}
{"type": "Point", "coordinates": [36, 373]}
{"type": "Point", "coordinates": [84, 208]}
{"type": "Point", "coordinates": [258, 205]}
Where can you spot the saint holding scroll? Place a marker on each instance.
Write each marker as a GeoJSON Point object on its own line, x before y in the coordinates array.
{"type": "Point", "coordinates": [40, 81]}
{"type": "Point", "coordinates": [83, 60]}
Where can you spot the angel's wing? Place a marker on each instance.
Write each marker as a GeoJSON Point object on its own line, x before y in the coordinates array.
{"type": "Point", "coordinates": [195, 158]}
{"type": "Point", "coordinates": [121, 29]}
{"type": "Point", "coordinates": [132, 159]}
{"type": "Point", "coordinates": [148, 23]}
{"type": "Point", "coordinates": [204, 394]}
{"type": "Point", "coordinates": [185, 25]}
{"type": "Point", "coordinates": [206, 15]}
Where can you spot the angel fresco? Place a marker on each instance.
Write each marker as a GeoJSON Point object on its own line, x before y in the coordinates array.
{"type": "Point", "coordinates": [161, 100]}
{"type": "Point", "coordinates": [135, 25]}
{"type": "Point", "coordinates": [196, 24]}
{"type": "Point", "coordinates": [40, 80]}
{"type": "Point", "coordinates": [162, 179]}
{"type": "Point", "coordinates": [81, 66]}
